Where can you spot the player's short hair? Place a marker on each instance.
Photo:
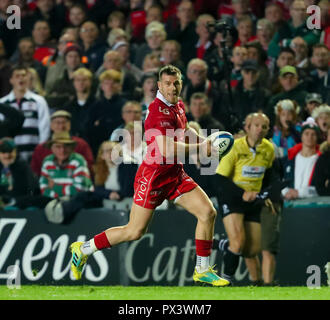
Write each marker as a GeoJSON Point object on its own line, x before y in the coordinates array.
{"type": "Point", "coordinates": [169, 70]}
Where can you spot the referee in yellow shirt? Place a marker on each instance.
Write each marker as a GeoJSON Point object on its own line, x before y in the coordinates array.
{"type": "Point", "coordinates": [241, 174]}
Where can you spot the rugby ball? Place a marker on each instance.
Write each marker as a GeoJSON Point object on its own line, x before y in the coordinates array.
{"type": "Point", "coordinates": [222, 140]}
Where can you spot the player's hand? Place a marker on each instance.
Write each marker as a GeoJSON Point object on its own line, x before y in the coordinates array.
{"type": "Point", "coordinates": [207, 149]}
{"type": "Point", "coordinates": [249, 196]}
{"type": "Point", "coordinates": [291, 194]}
{"type": "Point", "coordinates": [114, 195]}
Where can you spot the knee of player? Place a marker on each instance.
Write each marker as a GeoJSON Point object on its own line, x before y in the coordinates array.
{"type": "Point", "coordinates": [209, 214]}
{"type": "Point", "coordinates": [236, 244]}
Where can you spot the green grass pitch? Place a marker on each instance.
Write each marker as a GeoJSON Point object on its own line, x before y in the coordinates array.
{"type": "Point", "coordinates": [36, 292]}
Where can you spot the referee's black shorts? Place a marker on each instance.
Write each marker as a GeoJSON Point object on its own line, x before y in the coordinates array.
{"type": "Point", "coordinates": [250, 210]}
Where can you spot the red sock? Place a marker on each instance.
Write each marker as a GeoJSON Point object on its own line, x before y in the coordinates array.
{"type": "Point", "coordinates": [203, 247]}
{"type": "Point", "coordinates": [101, 241]}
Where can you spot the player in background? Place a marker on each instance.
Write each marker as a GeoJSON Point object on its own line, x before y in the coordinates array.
{"type": "Point", "coordinates": [241, 173]}
{"type": "Point", "coordinates": [159, 178]}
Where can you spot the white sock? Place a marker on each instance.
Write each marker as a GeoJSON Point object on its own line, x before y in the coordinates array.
{"type": "Point", "coordinates": [202, 264]}
{"type": "Point", "coordinates": [88, 247]}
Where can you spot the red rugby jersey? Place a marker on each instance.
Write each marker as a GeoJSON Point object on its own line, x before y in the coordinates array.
{"type": "Point", "coordinates": [163, 118]}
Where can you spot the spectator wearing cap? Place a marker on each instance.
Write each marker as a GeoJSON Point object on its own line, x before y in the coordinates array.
{"type": "Point", "coordinates": [319, 76]}
{"type": "Point", "coordinates": [63, 89]}
{"type": "Point", "coordinates": [295, 27]}
{"type": "Point", "coordinates": [64, 172]}
{"type": "Point", "coordinates": [105, 113]}
{"type": "Point", "coordinates": [248, 96]}
{"type": "Point", "coordinates": [312, 101]}
{"type": "Point", "coordinates": [16, 177]}
{"type": "Point", "coordinates": [285, 58]}
{"type": "Point", "coordinates": [155, 35]}
{"type": "Point", "coordinates": [60, 122]}
{"type": "Point", "coordinates": [291, 89]}
{"type": "Point", "coordinates": [197, 81]}
{"type": "Point", "coordinates": [321, 177]}
{"type": "Point", "coordinates": [79, 106]}
{"type": "Point", "coordinates": [321, 116]}
{"type": "Point", "coordinates": [114, 61]}
{"type": "Point", "coordinates": [35, 128]}
{"type": "Point", "coordinates": [300, 164]}
{"type": "Point", "coordinates": [257, 53]}
{"type": "Point", "coordinates": [286, 130]}
{"type": "Point", "coordinates": [93, 47]}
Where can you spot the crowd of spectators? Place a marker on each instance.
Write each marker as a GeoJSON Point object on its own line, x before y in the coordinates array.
{"type": "Point", "coordinates": [79, 73]}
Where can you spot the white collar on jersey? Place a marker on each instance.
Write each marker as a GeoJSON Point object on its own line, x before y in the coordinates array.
{"type": "Point", "coordinates": [162, 98]}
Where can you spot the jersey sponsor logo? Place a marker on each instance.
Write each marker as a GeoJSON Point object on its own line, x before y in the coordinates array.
{"type": "Point", "coordinates": [164, 111]}
{"type": "Point", "coordinates": [143, 187]}
{"type": "Point", "coordinates": [165, 124]}
{"type": "Point", "coordinates": [253, 172]}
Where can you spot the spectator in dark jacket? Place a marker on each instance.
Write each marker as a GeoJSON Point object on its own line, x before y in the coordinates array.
{"type": "Point", "coordinates": [200, 111]}
{"type": "Point", "coordinates": [321, 177]}
{"type": "Point", "coordinates": [63, 89]}
{"type": "Point", "coordinates": [291, 89]}
{"type": "Point", "coordinates": [248, 96]}
{"type": "Point", "coordinates": [105, 113]}
{"type": "Point", "coordinates": [183, 30]}
{"type": "Point", "coordinates": [5, 70]}
{"type": "Point", "coordinates": [11, 121]}
{"type": "Point", "coordinates": [16, 177]}
{"type": "Point", "coordinates": [197, 81]}
{"type": "Point", "coordinates": [319, 77]}
{"type": "Point", "coordinates": [80, 105]}
{"type": "Point", "coordinates": [94, 48]}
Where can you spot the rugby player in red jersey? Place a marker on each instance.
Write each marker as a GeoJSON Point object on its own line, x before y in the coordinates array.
{"type": "Point", "coordinates": [161, 176]}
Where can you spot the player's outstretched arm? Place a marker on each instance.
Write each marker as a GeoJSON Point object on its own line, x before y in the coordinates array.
{"type": "Point", "coordinates": [174, 149]}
